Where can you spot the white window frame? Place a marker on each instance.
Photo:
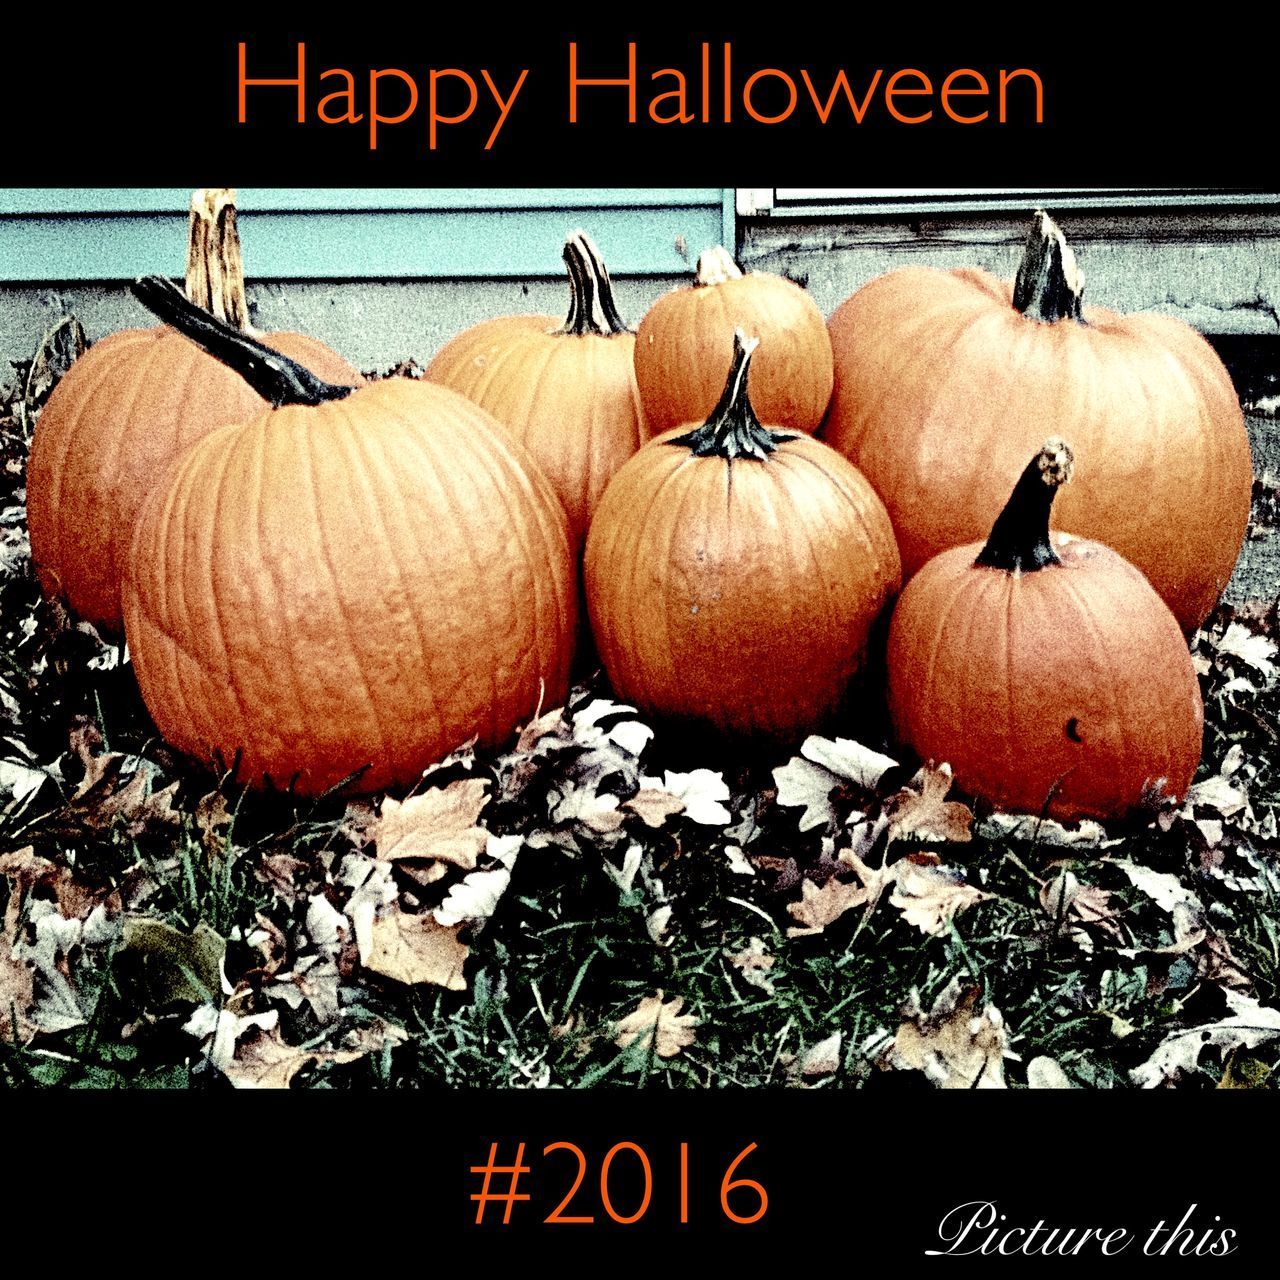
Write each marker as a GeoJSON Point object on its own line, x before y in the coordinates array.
{"type": "Point", "coordinates": [827, 202]}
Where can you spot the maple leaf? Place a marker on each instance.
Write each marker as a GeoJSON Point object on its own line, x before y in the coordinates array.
{"type": "Point", "coordinates": [803, 784]}
{"type": "Point", "coordinates": [849, 760]}
{"type": "Point", "coordinates": [416, 949]}
{"type": "Point", "coordinates": [701, 792]}
{"type": "Point", "coordinates": [438, 825]}
{"type": "Point", "coordinates": [658, 1024]}
{"type": "Point", "coordinates": [930, 895]}
{"type": "Point", "coordinates": [654, 806]}
{"type": "Point", "coordinates": [474, 898]}
{"type": "Point", "coordinates": [957, 1045]}
{"type": "Point", "coordinates": [926, 813]}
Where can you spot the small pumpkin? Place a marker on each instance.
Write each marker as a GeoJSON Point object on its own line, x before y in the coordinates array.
{"type": "Point", "coordinates": [126, 407]}
{"type": "Point", "coordinates": [566, 391]}
{"type": "Point", "coordinates": [946, 381]}
{"type": "Point", "coordinates": [1044, 668]}
{"type": "Point", "coordinates": [685, 342]}
{"type": "Point", "coordinates": [734, 571]}
{"type": "Point", "coordinates": [358, 578]}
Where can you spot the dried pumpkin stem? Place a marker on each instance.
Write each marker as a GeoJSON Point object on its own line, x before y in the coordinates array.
{"type": "Point", "coordinates": [1019, 541]}
{"type": "Point", "coordinates": [215, 267]}
{"type": "Point", "coordinates": [716, 266]}
{"type": "Point", "coordinates": [275, 377]}
{"type": "Point", "coordinates": [733, 430]}
{"type": "Point", "coordinates": [592, 309]}
{"type": "Point", "coordinates": [1049, 283]}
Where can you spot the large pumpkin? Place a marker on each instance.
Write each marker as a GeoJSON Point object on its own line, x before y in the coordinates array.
{"type": "Point", "coordinates": [946, 381]}
{"type": "Point", "coordinates": [357, 579]}
{"type": "Point", "coordinates": [685, 343]}
{"type": "Point", "coordinates": [567, 391]}
{"type": "Point", "coordinates": [126, 407]}
{"type": "Point", "coordinates": [1044, 668]}
{"type": "Point", "coordinates": [734, 571]}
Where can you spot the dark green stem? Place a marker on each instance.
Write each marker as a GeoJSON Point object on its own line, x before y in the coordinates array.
{"type": "Point", "coordinates": [592, 309]}
{"type": "Point", "coordinates": [733, 430]}
{"type": "Point", "coordinates": [1049, 284]}
{"type": "Point", "coordinates": [1019, 541]}
{"type": "Point", "coordinates": [276, 378]}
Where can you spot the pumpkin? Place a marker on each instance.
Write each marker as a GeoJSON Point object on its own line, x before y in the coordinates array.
{"type": "Point", "coordinates": [126, 407]}
{"type": "Point", "coordinates": [946, 381]}
{"type": "Point", "coordinates": [566, 391]}
{"type": "Point", "coordinates": [734, 571]}
{"type": "Point", "coordinates": [358, 578]}
{"type": "Point", "coordinates": [685, 342]}
{"type": "Point", "coordinates": [1044, 668]}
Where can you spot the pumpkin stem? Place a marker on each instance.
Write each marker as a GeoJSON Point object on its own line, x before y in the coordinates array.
{"type": "Point", "coordinates": [592, 309]}
{"type": "Point", "coordinates": [715, 266]}
{"type": "Point", "coordinates": [215, 268]}
{"type": "Point", "coordinates": [1049, 283]}
{"type": "Point", "coordinates": [733, 430]}
{"type": "Point", "coordinates": [275, 377]}
{"type": "Point", "coordinates": [1019, 541]}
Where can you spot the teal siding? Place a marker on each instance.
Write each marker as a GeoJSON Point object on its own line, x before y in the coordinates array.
{"type": "Point", "coordinates": [54, 235]}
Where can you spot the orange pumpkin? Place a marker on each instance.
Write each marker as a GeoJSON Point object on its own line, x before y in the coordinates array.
{"type": "Point", "coordinates": [947, 380]}
{"type": "Point", "coordinates": [685, 343]}
{"type": "Point", "coordinates": [126, 407]}
{"type": "Point", "coordinates": [566, 391]}
{"type": "Point", "coordinates": [733, 572]}
{"type": "Point", "coordinates": [356, 579]}
{"type": "Point", "coordinates": [1044, 668]}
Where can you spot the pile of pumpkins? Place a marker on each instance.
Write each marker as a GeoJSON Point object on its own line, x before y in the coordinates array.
{"type": "Point", "coordinates": [327, 581]}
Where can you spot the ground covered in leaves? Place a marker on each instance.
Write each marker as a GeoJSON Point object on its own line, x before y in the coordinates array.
{"type": "Point", "coordinates": [594, 906]}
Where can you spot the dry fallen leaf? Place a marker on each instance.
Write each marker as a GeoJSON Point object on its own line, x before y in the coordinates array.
{"type": "Point", "coordinates": [823, 1058]}
{"type": "Point", "coordinates": [659, 1024]}
{"type": "Point", "coordinates": [930, 895]}
{"type": "Point", "coordinates": [1069, 903]}
{"type": "Point", "coordinates": [957, 1045]}
{"type": "Point", "coordinates": [417, 949]}
{"type": "Point", "coordinates": [654, 806]}
{"type": "Point", "coordinates": [848, 760]}
{"type": "Point", "coordinates": [1254, 650]}
{"type": "Point", "coordinates": [264, 1061]}
{"type": "Point", "coordinates": [1046, 1073]}
{"type": "Point", "coordinates": [1248, 1025]}
{"type": "Point", "coordinates": [819, 907]}
{"type": "Point", "coordinates": [754, 963]}
{"type": "Point", "coordinates": [804, 785]}
{"type": "Point", "coordinates": [17, 980]}
{"type": "Point", "coordinates": [702, 792]}
{"type": "Point", "coordinates": [439, 825]}
{"type": "Point", "coordinates": [926, 813]}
